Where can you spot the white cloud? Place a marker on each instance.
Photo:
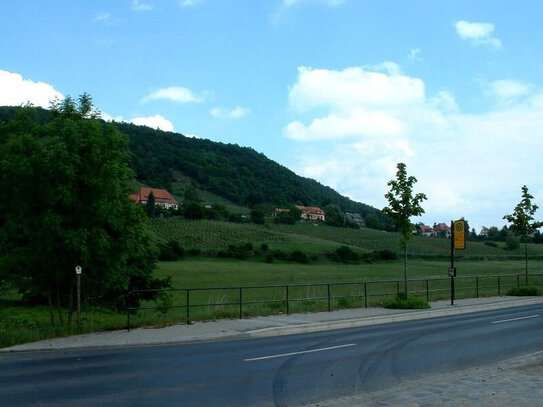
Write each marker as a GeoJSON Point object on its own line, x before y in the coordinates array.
{"type": "Point", "coordinates": [352, 87]}
{"type": "Point", "coordinates": [477, 33]}
{"type": "Point", "coordinates": [188, 3]}
{"type": "Point", "coordinates": [175, 94]}
{"type": "Point", "coordinates": [356, 124]}
{"type": "Point", "coordinates": [107, 19]}
{"type": "Point", "coordinates": [17, 91]}
{"type": "Point", "coordinates": [414, 55]}
{"type": "Point", "coordinates": [155, 122]}
{"type": "Point", "coordinates": [290, 3]}
{"type": "Point", "coordinates": [507, 89]}
{"type": "Point", "coordinates": [285, 5]}
{"type": "Point", "coordinates": [235, 113]}
{"type": "Point", "coordinates": [361, 103]}
{"type": "Point", "coordinates": [139, 5]}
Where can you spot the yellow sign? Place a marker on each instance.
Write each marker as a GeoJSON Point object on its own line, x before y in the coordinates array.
{"type": "Point", "coordinates": [459, 234]}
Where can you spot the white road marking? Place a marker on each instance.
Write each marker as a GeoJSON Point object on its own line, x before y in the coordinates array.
{"type": "Point", "coordinates": [515, 319]}
{"type": "Point", "coordinates": [282, 355]}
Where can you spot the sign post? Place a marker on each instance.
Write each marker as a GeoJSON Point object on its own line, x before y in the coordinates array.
{"type": "Point", "coordinates": [458, 242]}
{"type": "Point", "coordinates": [78, 271]}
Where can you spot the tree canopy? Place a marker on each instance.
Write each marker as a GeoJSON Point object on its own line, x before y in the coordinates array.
{"type": "Point", "coordinates": [67, 183]}
{"type": "Point", "coordinates": [403, 205]}
{"type": "Point", "coordinates": [523, 223]}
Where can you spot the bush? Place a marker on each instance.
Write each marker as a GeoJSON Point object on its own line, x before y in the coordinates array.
{"type": "Point", "coordinates": [170, 251]}
{"type": "Point", "coordinates": [386, 255]}
{"type": "Point", "coordinates": [279, 254]}
{"type": "Point", "coordinates": [347, 255]}
{"type": "Point", "coordinates": [512, 242]}
{"type": "Point", "coordinates": [403, 302]}
{"type": "Point", "coordinates": [524, 291]}
{"type": "Point", "coordinates": [299, 257]}
{"type": "Point", "coordinates": [240, 252]}
{"type": "Point", "coordinates": [491, 243]}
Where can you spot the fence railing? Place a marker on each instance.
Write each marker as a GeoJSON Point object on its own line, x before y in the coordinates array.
{"type": "Point", "coordinates": [186, 304]}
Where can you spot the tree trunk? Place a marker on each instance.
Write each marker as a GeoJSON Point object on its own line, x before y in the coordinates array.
{"type": "Point", "coordinates": [526, 259]}
{"type": "Point", "coordinates": [405, 270]}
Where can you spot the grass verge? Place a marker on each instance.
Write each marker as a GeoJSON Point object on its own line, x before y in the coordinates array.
{"type": "Point", "coordinates": [403, 302]}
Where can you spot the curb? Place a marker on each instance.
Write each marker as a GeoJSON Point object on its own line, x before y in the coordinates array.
{"type": "Point", "coordinates": [367, 321]}
{"type": "Point", "coordinates": [296, 328]}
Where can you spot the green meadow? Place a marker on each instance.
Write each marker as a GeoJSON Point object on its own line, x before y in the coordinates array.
{"type": "Point", "coordinates": [201, 268]}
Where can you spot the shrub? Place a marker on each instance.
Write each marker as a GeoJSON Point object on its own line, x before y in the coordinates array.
{"type": "Point", "coordinates": [170, 251]}
{"type": "Point", "coordinates": [491, 243]}
{"type": "Point", "coordinates": [299, 257]}
{"type": "Point", "coordinates": [195, 252]}
{"type": "Point", "coordinates": [403, 302]}
{"type": "Point", "coordinates": [386, 255]}
{"type": "Point", "coordinates": [512, 242]}
{"type": "Point", "coordinates": [347, 255]}
{"type": "Point", "coordinates": [524, 291]}
{"type": "Point", "coordinates": [279, 254]}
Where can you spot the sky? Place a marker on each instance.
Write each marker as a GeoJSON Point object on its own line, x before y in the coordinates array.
{"type": "Point", "coordinates": [336, 90]}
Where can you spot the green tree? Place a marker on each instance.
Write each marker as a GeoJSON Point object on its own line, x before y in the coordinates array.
{"type": "Point", "coordinates": [334, 215]}
{"type": "Point", "coordinates": [150, 207]}
{"type": "Point", "coordinates": [68, 184]}
{"type": "Point", "coordinates": [403, 204]}
{"type": "Point", "coordinates": [522, 222]}
{"type": "Point", "coordinates": [372, 221]}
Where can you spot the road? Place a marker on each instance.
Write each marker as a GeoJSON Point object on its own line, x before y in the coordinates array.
{"type": "Point", "coordinates": [282, 371]}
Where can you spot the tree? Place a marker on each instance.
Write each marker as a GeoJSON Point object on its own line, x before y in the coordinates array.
{"type": "Point", "coordinates": [150, 208]}
{"type": "Point", "coordinates": [68, 183]}
{"type": "Point", "coordinates": [522, 222]}
{"type": "Point", "coordinates": [334, 215]}
{"type": "Point", "coordinates": [372, 221]}
{"type": "Point", "coordinates": [402, 206]}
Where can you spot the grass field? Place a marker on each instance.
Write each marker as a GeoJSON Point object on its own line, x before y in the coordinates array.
{"type": "Point", "coordinates": [429, 259]}
{"type": "Point", "coordinates": [317, 238]}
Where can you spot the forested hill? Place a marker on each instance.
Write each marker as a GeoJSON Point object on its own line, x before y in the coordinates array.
{"type": "Point", "coordinates": [239, 174]}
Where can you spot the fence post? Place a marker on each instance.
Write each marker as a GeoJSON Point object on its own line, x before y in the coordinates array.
{"type": "Point", "coordinates": [427, 291]}
{"type": "Point", "coordinates": [241, 303]}
{"type": "Point", "coordinates": [476, 287]}
{"type": "Point", "coordinates": [398, 288]}
{"type": "Point", "coordinates": [188, 306]}
{"type": "Point", "coordinates": [365, 295]}
{"type": "Point", "coordinates": [329, 309]}
{"type": "Point", "coordinates": [518, 281]}
{"type": "Point", "coordinates": [499, 288]}
{"type": "Point", "coordinates": [288, 307]}
{"type": "Point", "coordinates": [127, 311]}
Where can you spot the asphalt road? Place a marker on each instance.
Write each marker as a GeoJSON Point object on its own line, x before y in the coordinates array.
{"type": "Point", "coordinates": [282, 371]}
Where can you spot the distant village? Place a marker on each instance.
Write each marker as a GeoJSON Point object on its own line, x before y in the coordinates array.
{"type": "Point", "coordinates": [166, 200]}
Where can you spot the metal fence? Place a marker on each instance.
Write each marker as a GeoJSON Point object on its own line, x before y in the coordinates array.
{"type": "Point", "coordinates": [186, 304]}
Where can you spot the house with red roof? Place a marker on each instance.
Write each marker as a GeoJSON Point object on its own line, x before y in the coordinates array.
{"type": "Point", "coordinates": [162, 197]}
{"type": "Point", "coordinates": [311, 213]}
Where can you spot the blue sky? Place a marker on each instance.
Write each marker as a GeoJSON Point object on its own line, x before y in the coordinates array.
{"type": "Point", "coordinates": [336, 90]}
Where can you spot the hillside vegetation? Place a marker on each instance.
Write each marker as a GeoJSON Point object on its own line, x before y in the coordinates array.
{"type": "Point", "coordinates": [209, 235]}
{"type": "Point", "coordinates": [239, 175]}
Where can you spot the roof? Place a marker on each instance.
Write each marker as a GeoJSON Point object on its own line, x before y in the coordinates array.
{"type": "Point", "coordinates": [310, 209]}
{"type": "Point", "coordinates": [161, 196]}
